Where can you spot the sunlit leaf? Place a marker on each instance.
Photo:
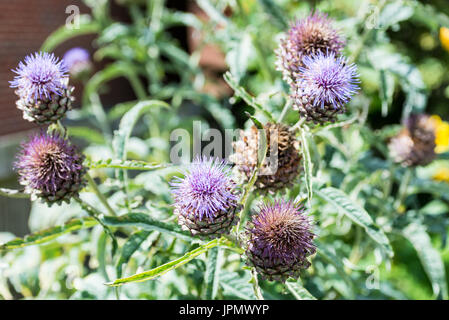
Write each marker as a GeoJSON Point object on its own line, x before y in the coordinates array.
{"type": "Point", "coordinates": [357, 214]}
{"type": "Point", "coordinates": [163, 269]}
{"type": "Point", "coordinates": [429, 256]}
{"type": "Point", "coordinates": [49, 234]}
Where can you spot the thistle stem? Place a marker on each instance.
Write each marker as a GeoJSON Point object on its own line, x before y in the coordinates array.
{"type": "Point", "coordinates": [94, 213]}
{"type": "Point", "coordinates": [298, 124]}
{"type": "Point", "coordinates": [246, 198]}
{"type": "Point", "coordinates": [100, 195]}
{"type": "Point", "coordinates": [255, 283]}
{"type": "Point", "coordinates": [284, 111]}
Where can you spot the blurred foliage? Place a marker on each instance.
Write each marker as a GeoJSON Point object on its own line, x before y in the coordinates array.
{"type": "Point", "coordinates": [382, 229]}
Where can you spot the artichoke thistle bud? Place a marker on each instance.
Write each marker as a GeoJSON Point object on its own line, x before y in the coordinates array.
{"type": "Point", "coordinates": [305, 37]}
{"type": "Point", "coordinates": [206, 200]}
{"type": "Point", "coordinates": [282, 146]}
{"type": "Point", "coordinates": [42, 87]}
{"type": "Point", "coordinates": [50, 168]}
{"type": "Point", "coordinates": [415, 143]}
{"type": "Point", "coordinates": [279, 241]}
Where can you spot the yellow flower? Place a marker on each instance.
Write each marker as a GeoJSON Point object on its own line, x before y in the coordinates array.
{"type": "Point", "coordinates": [442, 174]}
{"type": "Point", "coordinates": [444, 37]}
{"type": "Point", "coordinates": [441, 133]}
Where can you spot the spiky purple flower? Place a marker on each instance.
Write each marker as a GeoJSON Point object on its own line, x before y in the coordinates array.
{"type": "Point", "coordinates": [323, 86]}
{"type": "Point", "coordinates": [77, 61]}
{"type": "Point", "coordinates": [205, 199]}
{"type": "Point", "coordinates": [307, 36]}
{"type": "Point", "coordinates": [280, 240]}
{"type": "Point", "coordinates": [50, 168]}
{"type": "Point", "coordinates": [328, 80]}
{"type": "Point", "coordinates": [39, 76]}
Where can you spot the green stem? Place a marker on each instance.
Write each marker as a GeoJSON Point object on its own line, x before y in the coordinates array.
{"type": "Point", "coordinates": [61, 128]}
{"type": "Point", "coordinates": [100, 195]}
{"type": "Point", "coordinates": [246, 203]}
{"type": "Point", "coordinates": [298, 124]}
{"type": "Point", "coordinates": [284, 111]}
{"type": "Point", "coordinates": [137, 86]}
{"type": "Point", "coordinates": [94, 213]}
{"type": "Point", "coordinates": [255, 283]}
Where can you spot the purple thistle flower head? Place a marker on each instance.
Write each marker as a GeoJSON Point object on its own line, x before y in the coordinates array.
{"type": "Point", "coordinates": [206, 190]}
{"type": "Point", "coordinates": [280, 240]}
{"type": "Point", "coordinates": [315, 34]}
{"type": "Point", "coordinates": [75, 56]}
{"type": "Point", "coordinates": [48, 164]}
{"type": "Point", "coordinates": [327, 80]}
{"type": "Point", "coordinates": [39, 76]}
{"type": "Point", "coordinates": [307, 36]}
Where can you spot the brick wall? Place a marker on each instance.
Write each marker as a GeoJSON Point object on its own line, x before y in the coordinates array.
{"type": "Point", "coordinates": [24, 26]}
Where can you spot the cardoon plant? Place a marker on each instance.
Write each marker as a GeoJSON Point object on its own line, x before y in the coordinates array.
{"type": "Point", "coordinates": [123, 229]}
{"type": "Point", "coordinates": [205, 199]}
{"type": "Point", "coordinates": [42, 87]}
{"type": "Point", "coordinates": [280, 240]}
{"type": "Point", "coordinates": [307, 36]}
{"type": "Point", "coordinates": [50, 168]}
{"type": "Point", "coordinates": [323, 87]}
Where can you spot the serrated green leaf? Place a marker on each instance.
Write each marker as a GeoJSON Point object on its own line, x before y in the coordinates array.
{"type": "Point", "coordinates": [211, 277]}
{"type": "Point", "coordinates": [125, 164]}
{"type": "Point", "coordinates": [357, 214]}
{"type": "Point", "coordinates": [430, 258]}
{"type": "Point", "coordinates": [236, 286]}
{"type": "Point", "coordinates": [101, 254]}
{"type": "Point", "coordinates": [132, 245]}
{"type": "Point", "coordinates": [298, 291]}
{"type": "Point", "coordinates": [144, 221]}
{"type": "Point", "coordinates": [163, 269]}
{"type": "Point", "coordinates": [330, 257]}
{"type": "Point", "coordinates": [49, 234]}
